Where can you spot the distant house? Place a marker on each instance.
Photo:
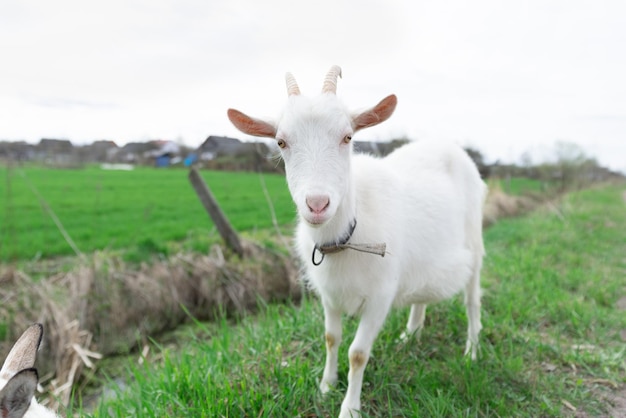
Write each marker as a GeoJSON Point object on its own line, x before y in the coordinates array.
{"type": "Point", "coordinates": [165, 147]}
{"type": "Point", "coordinates": [133, 152]}
{"type": "Point", "coordinates": [16, 151]}
{"type": "Point", "coordinates": [224, 153]}
{"type": "Point", "coordinates": [55, 146]}
{"type": "Point", "coordinates": [98, 151]}
{"type": "Point", "coordinates": [166, 153]}
{"type": "Point", "coordinates": [219, 146]}
{"type": "Point", "coordinates": [55, 151]}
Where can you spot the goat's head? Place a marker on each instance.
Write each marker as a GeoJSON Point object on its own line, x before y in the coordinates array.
{"type": "Point", "coordinates": [314, 135]}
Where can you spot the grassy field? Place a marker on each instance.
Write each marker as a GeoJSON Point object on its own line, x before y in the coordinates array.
{"type": "Point", "coordinates": [553, 342]}
{"type": "Point", "coordinates": [144, 211]}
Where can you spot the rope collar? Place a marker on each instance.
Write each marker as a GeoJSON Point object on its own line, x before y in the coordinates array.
{"type": "Point", "coordinates": [342, 244]}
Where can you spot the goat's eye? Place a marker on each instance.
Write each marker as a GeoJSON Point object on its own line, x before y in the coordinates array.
{"type": "Point", "coordinates": [347, 139]}
{"type": "Point", "coordinates": [281, 143]}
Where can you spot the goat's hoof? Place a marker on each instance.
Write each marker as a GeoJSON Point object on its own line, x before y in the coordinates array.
{"type": "Point", "coordinates": [407, 336]}
{"type": "Point", "coordinates": [327, 385]}
{"type": "Point", "coordinates": [349, 413]}
{"type": "Point", "coordinates": [471, 350]}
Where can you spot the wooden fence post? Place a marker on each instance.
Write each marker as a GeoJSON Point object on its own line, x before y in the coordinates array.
{"type": "Point", "coordinates": [219, 219]}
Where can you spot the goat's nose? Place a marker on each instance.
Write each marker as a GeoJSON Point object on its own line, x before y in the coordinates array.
{"type": "Point", "coordinates": [317, 203]}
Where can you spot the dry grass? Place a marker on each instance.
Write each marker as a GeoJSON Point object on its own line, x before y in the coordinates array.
{"type": "Point", "coordinates": [102, 306]}
{"type": "Point", "coordinates": [498, 204]}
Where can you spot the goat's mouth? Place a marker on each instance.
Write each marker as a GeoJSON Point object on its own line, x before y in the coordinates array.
{"type": "Point", "coordinates": [315, 219]}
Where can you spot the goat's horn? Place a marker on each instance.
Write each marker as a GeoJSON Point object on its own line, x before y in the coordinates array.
{"type": "Point", "coordinates": [292, 86]}
{"type": "Point", "coordinates": [330, 82]}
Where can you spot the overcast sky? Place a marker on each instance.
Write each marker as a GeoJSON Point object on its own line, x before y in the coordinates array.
{"type": "Point", "coordinates": [506, 77]}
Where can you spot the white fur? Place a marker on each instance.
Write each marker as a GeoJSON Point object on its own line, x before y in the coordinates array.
{"type": "Point", "coordinates": [424, 201]}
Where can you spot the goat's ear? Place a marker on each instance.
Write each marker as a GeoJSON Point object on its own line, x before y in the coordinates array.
{"type": "Point", "coordinates": [379, 113]}
{"type": "Point", "coordinates": [16, 395]}
{"type": "Point", "coordinates": [251, 126]}
{"type": "Point", "coordinates": [24, 352]}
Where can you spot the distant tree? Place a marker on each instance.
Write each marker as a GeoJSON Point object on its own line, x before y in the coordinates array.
{"type": "Point", "coordinates": [570, 167]}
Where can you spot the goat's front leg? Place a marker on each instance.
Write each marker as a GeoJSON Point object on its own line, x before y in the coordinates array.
{"type": "Point", "coordinates": [371, 322]}
{"type": "Point", "coordinates": [332, 321]}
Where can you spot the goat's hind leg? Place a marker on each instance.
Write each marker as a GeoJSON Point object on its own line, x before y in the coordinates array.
{"type": "Point", "coordinates": [415, 323]}
{"type": "Point", "coordinates": [472, 305]}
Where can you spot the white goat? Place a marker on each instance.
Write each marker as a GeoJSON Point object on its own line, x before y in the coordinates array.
{"type": "Point", "coordinates": [423, 201]}
{"type": "Point", "coordinates": [18, 378]}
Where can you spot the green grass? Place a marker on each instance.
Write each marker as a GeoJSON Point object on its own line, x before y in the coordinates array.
{"type": "Point", "coordinates": [518, 186]}
{"type": "Point", "coordinates": [144, 211]}
{"type": "Point", "coordinates": [551, 338]}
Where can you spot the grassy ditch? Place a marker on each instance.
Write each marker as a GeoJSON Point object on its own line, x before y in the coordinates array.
{"type": "Point", "coordinates": [553, 342]}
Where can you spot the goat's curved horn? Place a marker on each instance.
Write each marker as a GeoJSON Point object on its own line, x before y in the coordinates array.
{"type": "Point", "coordinates": [292, 86]}
{"type": "Point", "coordinates": [330, 82]}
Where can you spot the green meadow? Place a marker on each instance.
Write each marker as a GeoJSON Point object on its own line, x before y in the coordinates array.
{"type": "Point", "coordinates": [553, 342]}
{"type": "Point", "coordinates": [143, 212]}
